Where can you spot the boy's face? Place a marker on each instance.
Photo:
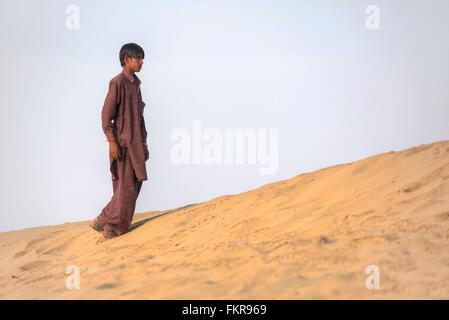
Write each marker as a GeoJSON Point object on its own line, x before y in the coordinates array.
{"type": "Point", "coordinates": [134, 64]}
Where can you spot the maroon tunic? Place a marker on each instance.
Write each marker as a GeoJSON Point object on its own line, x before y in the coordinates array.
{"type": "Point", "coordinates": [124, 105]}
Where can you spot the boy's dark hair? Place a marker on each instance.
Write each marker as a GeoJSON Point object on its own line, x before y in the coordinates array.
{"type": "Point", "coordinates": [130, 50]}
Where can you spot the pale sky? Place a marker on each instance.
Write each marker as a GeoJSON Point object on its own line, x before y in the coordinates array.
{"type": "Point", "coordinates": [335, 90]}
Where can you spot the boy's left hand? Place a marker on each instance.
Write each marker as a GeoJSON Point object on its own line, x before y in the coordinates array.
{"type": "Point", "coordinates": [147, 153]}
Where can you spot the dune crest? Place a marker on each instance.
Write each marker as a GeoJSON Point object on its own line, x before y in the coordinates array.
{"type": "Point", "coordinates": [308, 237]}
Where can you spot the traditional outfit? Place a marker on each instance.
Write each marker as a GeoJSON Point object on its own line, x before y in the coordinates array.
{"type": "Point", "coordinates": [124, 105]}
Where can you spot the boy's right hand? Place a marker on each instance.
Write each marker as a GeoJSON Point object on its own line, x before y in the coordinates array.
{"type": "Point", "coordinates": [114, 150]}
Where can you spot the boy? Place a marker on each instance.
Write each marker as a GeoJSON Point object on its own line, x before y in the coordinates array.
{"type": "Point", "coordinates": [127, 137]}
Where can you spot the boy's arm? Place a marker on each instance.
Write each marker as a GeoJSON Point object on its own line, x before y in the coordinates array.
{"type": "Point", "coordinates": [109, 110]}
{"type": "Point", "coordinates": [143, 130]}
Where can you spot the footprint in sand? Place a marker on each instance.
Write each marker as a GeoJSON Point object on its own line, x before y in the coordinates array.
{"type": "Point", "coordinates": [33, 265]}
{"type": "Point", "coordinates": [107, 286]}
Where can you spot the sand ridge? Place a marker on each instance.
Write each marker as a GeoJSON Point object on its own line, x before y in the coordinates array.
{"type": "Point", "coordinates": [308, 237]}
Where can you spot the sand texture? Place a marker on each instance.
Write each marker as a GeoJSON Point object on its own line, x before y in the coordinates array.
{"type": "Point", "coordinates": [308, 237]}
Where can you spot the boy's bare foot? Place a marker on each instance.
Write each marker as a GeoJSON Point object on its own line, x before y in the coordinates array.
{"type": "Point", "coordinates": [106, 235]}
{"type": "Point", "coordinates": [97, 225]}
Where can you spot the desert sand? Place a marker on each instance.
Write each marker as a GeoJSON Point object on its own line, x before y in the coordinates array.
{"type": "Point", "coordinates": [308, 237]}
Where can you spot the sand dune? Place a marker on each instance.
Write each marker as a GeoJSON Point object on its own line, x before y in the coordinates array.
{"type": "Point", "coordinates": [311, 236]}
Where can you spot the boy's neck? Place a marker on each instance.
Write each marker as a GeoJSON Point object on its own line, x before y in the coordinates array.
{"type": "Point", "coordinates": [129, 71]}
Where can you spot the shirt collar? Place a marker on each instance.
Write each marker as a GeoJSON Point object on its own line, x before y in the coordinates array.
{"type": "Point", "coordinates": [130, 77]}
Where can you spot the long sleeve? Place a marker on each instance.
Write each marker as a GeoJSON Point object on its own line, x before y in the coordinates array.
{"type": "Point", "coordinates": [143, 130]}
{"type": "Point", "coordinates": [109, 109]}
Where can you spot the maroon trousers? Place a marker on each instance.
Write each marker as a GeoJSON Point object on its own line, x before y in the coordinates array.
{"type": "Point", "coordinates": [118, 213]}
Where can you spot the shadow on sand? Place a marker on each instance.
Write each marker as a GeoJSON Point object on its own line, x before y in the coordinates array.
{"type": "Point", "coordinates": [142, 222]}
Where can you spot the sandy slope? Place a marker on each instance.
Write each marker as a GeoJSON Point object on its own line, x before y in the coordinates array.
{"type": "Point", "coordinates": [311, 236]}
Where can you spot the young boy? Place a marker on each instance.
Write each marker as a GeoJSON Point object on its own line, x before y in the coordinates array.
{"type": "Point", "coordinates": [127, 137]}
